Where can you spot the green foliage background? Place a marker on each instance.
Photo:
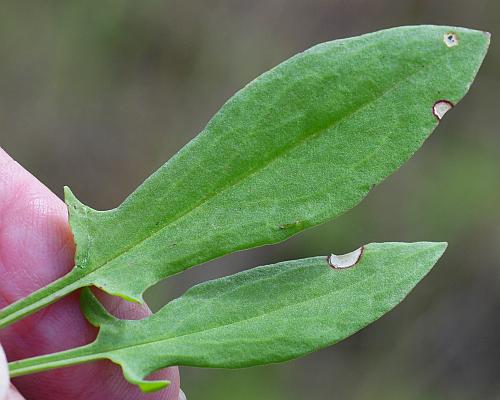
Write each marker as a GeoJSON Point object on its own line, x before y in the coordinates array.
{"type": "Point", "coordinates": [97, 95]}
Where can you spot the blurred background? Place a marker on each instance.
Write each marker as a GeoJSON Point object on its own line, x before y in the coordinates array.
{"type": "Point", "coordinates": [98, 94]}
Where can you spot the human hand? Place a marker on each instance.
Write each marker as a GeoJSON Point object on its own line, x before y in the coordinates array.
{"type": "Point", "coordinates": [36, 247]}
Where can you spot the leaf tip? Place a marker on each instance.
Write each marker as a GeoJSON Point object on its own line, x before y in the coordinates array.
{"type": "Point", "coordinates": [130, 296]}
{"type": "Point", "coordinates": [132, 299]}
{"type": "Point", "coordinates": [152, 386]}
{"type": "Point", "coordinates": [143, 384]}
{"type": "Point", "coordinates": [442, 246]}
{"type": "Point", "coordinates": [70, 199]}
{"type": "Point", "coordinates": [437, 249]}
{"type": "Point", "coordinates": [93, 310]}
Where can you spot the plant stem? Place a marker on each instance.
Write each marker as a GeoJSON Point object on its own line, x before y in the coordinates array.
{"type": "Point", "coordinates": [65, 358]}
{"type": "Point", "coordinates": [40, 298]}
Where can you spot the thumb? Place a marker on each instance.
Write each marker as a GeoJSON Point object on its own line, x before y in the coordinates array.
{"type": "Point", "coordinates": [7, 391]}
{"type": "Point", "coordinates": [4, 375]}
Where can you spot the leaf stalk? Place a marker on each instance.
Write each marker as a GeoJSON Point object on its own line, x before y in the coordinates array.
{"type": "Point", "coordinates": [65, 358]}
{"type": "Point", "coordinates": [40, 298]}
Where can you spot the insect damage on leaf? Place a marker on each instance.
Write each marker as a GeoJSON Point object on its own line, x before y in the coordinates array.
{"type": "Point", "coordinates": [451, 39]}
{"type": "Point", "coordinates": [441, 107]}
{"type": "Point", "coordinates": [345, 260]}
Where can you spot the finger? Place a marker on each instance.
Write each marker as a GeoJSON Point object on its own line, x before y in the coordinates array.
{"type": "Point", "coordinates": [36, 247]}
{"type": "Point", "coordinates": [4, 375]}
{"type": "Point", "coordinates": [13, 394]}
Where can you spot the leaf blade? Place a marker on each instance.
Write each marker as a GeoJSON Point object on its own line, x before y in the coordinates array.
{"type": "Point", "coordinates": [320, 155]}
{"type": "Point", "coordinates": [264, 315]}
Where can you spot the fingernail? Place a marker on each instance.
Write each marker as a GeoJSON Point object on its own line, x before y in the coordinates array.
{"type": "Point", "coordinates": [4, 375]}
{"type": "Point", "coordinates": [182, 396]}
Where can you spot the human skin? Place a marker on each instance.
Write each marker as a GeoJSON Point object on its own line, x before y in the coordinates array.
{"type": "Point", "coordinates": [36, 247]}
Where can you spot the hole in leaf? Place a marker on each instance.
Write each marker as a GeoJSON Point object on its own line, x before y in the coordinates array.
{"type": "Point", "coordinates": [345, 260]}
{"type": "Point", "coordinates": [450, 39]}
{"type": "Point", "coordinates": [441, 107]}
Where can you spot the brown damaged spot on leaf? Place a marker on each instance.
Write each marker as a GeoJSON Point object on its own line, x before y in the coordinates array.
{"type": "Point", "coordinates": [441, 107]}
{"type": "Point", "coordinates": [345, 260]}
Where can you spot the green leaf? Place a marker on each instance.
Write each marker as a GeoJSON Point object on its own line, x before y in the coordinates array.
{"type": "Point", "coordinates": [265, 315]}
{"type": "Point", "coordinates": [298, 146]}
